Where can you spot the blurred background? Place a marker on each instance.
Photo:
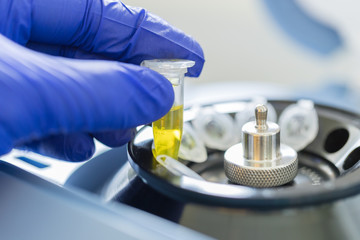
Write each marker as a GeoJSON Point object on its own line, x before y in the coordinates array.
{"type": "Point", "coordinates": [286, 42]}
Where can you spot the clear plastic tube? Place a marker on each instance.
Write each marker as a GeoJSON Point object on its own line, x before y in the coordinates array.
{"type": "Point", "coordinates": [299, 124]}
{"type": "Point", "coordinates": [168, 129]}
{"type": "Point", "coordinates": [192, 148]}
{"type": "Point", "coordinates": [176, 167]}
{"type": "Point", "coordinates": [215, 129]}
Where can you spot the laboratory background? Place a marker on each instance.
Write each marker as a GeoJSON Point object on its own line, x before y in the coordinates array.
{"type": "Point", "coordinates": [274, 70]}
{"type": "Point", "coordinates": [267, 41]}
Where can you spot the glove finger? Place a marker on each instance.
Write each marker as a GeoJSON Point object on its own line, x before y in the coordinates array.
{"type": "Point", "coordinates": [112, 29]}
{"type": "Point", "coordinates": [115, 138]}
{"type": "Point", "coordinates": [77, 146]}
{"type": "Point", "coordinates": [64, 51]}
{"type": "Point", "coordinates": [44, 95]}
{"type": "Point", "coordinates": [73, 147]}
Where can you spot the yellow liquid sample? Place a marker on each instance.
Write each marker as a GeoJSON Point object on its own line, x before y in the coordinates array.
{"type": "Point", "coordinates": [167, 133]}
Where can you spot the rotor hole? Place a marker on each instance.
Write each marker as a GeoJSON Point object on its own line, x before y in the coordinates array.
{"type": "Point", "coordinates": [352, 159]}
{"type": "Point", "coordinates": [336, 140]}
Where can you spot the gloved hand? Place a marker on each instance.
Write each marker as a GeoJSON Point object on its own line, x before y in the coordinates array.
{"type": "Point", "coordinates": [55, 105]}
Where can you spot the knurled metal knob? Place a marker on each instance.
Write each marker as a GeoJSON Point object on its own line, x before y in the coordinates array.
{"type": "Point", "coordinates": [260, 160]}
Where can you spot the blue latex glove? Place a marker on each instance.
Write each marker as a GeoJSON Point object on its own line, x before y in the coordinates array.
{"type": "Point", "coordinates": [55, 105]}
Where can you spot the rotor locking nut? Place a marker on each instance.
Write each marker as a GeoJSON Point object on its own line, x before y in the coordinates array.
{"type": "Point", "coordinates": [260, 160]}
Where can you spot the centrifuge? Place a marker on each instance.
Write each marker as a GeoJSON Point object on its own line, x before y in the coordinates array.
{"type": "Point", "coordinates": [220, 188]}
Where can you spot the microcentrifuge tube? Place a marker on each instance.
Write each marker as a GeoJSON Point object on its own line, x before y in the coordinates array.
{"type": "Point", "coordinates": [192, 148]}
{"type": "Point", "coordinates": [215, 129]}
{"type": "Point", "coordinates": [176, 167]}
{"type": "Point", "coordinates": [299, 124]}
{"type": "Point", "coordinates": [168, 129]}
{"type": "Point", "coordinates": [247, 113]}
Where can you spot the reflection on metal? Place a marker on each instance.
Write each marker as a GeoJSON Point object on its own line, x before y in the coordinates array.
{"type": "Point", "coordinates": [260, 160]}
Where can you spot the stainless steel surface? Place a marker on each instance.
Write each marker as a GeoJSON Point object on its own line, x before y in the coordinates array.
{"type": "Point", "coordinates": [261, 145]}
{"type": "Point", "coordinates": [261, 139]}
{"type": "Point", "coordinates": [258, 173]}
{"type": "Point", "coordinates": [261, 117]}
{"type": "Point", "coordinates": [312, 171]}
{"type": "Point", "coordinates": [260, 160]}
